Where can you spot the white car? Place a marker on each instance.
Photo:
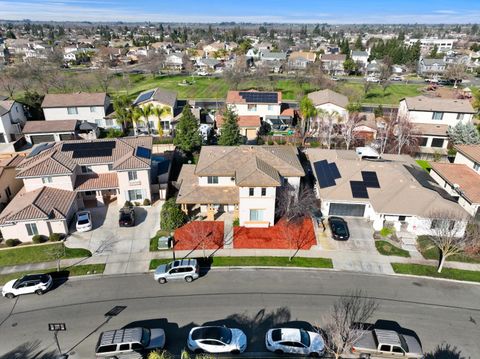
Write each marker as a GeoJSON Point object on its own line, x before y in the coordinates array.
{"type": "Point", "coordinates": [294, 341]}
{"type": "Point", "coordinates": [216, 339]}
{"type": "Point", "coordinates": [84, 221]}
{"type": "Point", "coordinates": [202, 73]}
{"type": "Point", "coordinates": [372, 79]}
{"type": "Point", "coordinates": [31, 283]}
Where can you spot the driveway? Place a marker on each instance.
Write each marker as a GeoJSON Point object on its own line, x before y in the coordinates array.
{"type": "Point", "coordinates": [361, 236]}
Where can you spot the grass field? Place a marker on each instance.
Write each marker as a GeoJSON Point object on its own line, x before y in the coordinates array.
{"type": "Point", "coordinates": [387, 249]}
{"type": "Point", "coordinates": [429, 251]}
{"type": "Point", "coordinates": [37, 254]}
{"type": "Point", "coordinates": [424, 164]}
{"type": "Point", "coordinates": [431, 271]}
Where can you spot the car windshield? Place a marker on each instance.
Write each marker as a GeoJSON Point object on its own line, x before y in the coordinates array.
{"type": "Point", "coordinates": [404, 343]}
{"type": "Point", "coordinates": [339, 228]}
{"type": "Point", "coordinates": [304, 337]}
{"type": "Point", "coordinates": [145, 337]}
{"type": "Point", "coordinates": [124, 216]}
{"type": "Point", "coordinates": [83, 219]}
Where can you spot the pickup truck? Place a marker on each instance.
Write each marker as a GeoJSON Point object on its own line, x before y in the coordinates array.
{"type": "Point", "coordinates": [380, 343]}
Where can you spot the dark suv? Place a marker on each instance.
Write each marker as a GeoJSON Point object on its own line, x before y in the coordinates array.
{"type": "Point", "coordinates": [126, 217]}
{"type": "Point", "coordinates": [339, 228]}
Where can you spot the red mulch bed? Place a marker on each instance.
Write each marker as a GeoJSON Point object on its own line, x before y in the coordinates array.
{"type": "Point", "coordinates": [277, 237]}
{"type": "Point", "coordinates": [199, 235]}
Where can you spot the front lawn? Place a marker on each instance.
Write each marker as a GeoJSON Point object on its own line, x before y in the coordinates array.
{"type": "Point", "coordinates": [431, 271]}
{"type": "Point", "coordinates": [260, 262]}
{"type": "Point", "coordinates": [393, 94]}
{"type": "Point", "coordinates": [424, 164]}
{"type": "Point", "coordinates": [38, 253]}
{"type": "Point", "coordinates": [429, 251]}
{"type": "Point", "coordinates": [388, 249]}
{"type": "Point", "coordinates": [70, 271]}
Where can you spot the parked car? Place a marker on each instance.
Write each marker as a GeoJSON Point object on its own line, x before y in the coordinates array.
{"type": "Point", "coordinates": [216, 339]}
{"type": "Point", "coordinates": [202, 73]}
{"type": "Point", "coordinates": [28, 284]}
{"type": "Point", "coordinates": [372, 79]}
{"type": "Point", "coordinates": [123, 342]}
{"type": "Point", "coordinates": [184, 269]}
{"type": "Point", "coordinates": [396, 78]}
{"type": "Point", "coordinates": [126, 217]}
{"type": "Point", "coordinates": [294, 341]}
{"type": "Point", "coordinates": [381, 343]}
{"type": "Point", "coordinates": [339, 228]}
{"type": "Point", "coordinates": [84, 221]}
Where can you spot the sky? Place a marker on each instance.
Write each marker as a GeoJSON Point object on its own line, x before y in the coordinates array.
{"type": "Point", "coordinates": [256, 11]}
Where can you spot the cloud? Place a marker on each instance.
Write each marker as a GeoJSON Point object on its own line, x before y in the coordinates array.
{"type": "Point", "coordinates": [445, 12]}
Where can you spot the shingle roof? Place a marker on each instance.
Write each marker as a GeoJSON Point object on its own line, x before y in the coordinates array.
{"type": "Point", "coordinates": [50, 126]}
{"type": "Point", "coordinates": [430, 62]}
{"type": "Point", "coordinates": [96, 181]}
{"type": "Point", "coordinates": [459, 174]}
{"type": "Point", "coordinates": [257, 173]}
{"type": "Point", "coordinates": [43, 203]}
{"type": "Point", "coordinates": [5, 106]}
{"type": "Point", "coordinates": [309, 56]}
{"type": "Point", "coordinates": [82, 99]}
{"type": "Point", "coordinates": [423, 103]}
{"type": "Point", "coordinates": [157, 94]}
{"type": "Point", "coordinates": [470, 151]}
{"type": "Point", "coordinates": [431, 129]}
{"type": "Point", "coordinates": [328, 96]}
{"type": "Point", "coordinates": [333, 57]}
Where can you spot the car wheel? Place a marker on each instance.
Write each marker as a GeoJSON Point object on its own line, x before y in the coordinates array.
{"type": "Point", "coordinates": [10, 295]}
{"type": "Point", "coordinates": [188, 278]}
{"type": "Point", "coordinates": [39, 292]}
{"type": "Point", "coordinates": [198, 351]}
{"type": "Point", "coordinates": [162, 280]}
{"type": "Point", "coordinates": [235, 351]}
{"type": "Point", "coordinates": [314, 355]}
{"type": "Point", "coordinates": [278, 351]}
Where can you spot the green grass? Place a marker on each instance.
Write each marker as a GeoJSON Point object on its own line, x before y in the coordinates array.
{"type": "Point", "coordinates": [393, 94]}
{"type": "Point", "coordinates": [429, 251]}
{"type": "Point", "coordinates": [431, 271]}
{"type": "Point", "coordinates": [424, 164]}
{"type": "Point", "coordinates": [260, 261]}
{"type": "Point", "coordinates": [154, 240]}
{"type": "Point", "coordinates": [387, 231]}
{"type": "Point", "coordinates": [71, 271]}
{"type": "Point", "coordinates": [37, 254]}
{"type": "Point", "coordinates": [387, 249]}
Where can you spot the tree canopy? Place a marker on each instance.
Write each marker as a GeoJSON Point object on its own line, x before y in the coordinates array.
{"type": "Point", "coordinates": [187, 134]}
{"type": "Point", "coordinates": [230, 133]}
{"type": "Point", "coordinates": [464, 134]}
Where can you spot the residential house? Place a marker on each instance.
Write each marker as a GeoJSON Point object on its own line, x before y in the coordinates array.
{"type": "Point", "coordinates": [9, 184]}
{"type": "Point", "coordinates": [12, 116]}
{"type": "Point", "coordinates": [253, 53]}
{"type": "Point", "coordinates": [461, 179]}
{"type": "Point", "coordinates": [210, 49]}
{"type": "Point", "coordinates": [394, 191]}
{"type": "Point", "coordinates": [255, 103]}
{"type": "Point", "coordinates": [158, 97]}
{"type": "Point", "coordinates": [432, 116]}
{"type": "Point", "coordinates": [333, 63]}
{"type": "Point", "coordinates": [174, 61]}
{"type": "Point", "coordinates": [249, 125]}
{"type": "Point", "coordinates": [301, 59]}
{"type": "Point", "coordinates": [331, 102]}
{"type": "Point", "coordinates": [82, 106]}
{"type": "Point", "coordinates": [209, 64]}
{"type": "Point", "coordinates": [59, 178]}
{"type": "Point", "coordinates": [431, 67]}
{"type": "Point", "coordinates": [374, 68]}
{"type": "Point", "coordinates": [360, 58]}
{"type": "Point", "coordinates": [60, 130]}
{"type": "Point", "coordinates": [241, 180]}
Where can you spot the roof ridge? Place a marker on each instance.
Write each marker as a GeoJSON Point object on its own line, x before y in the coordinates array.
{"type": "Point", "coordinates": [266, 164]}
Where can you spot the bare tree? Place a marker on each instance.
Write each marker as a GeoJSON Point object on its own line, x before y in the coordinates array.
{"type": "Point", "coordinates": [347, 128]}
{"type": "Point", "coordinates": [57, 252]}
{"type": "Point", "coordinates": [447, 230]}
{"type": "Point", "coordinates": [384, 132]}
{"type": "Point", "coordinates": [104, 78]}
{"type": "Point", "coordinates": [344, 323]}
{"type": "Point", "coordinates": [8, 83]}
{"type": "Point", "coordinates": [404, 133]}
{"type": "Point", "coordinates": [235, 75]}
{"type": "Point", "coordinates": [202, 237]}
{"type": "Point", "coordinates": [455, 72]}
{"type": "Point", "coordinates": [292, 206]}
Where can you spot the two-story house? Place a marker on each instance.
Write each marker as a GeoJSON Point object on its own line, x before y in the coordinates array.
{"type": "Point", "coordinates": [301, 59]}
{"type": "Point", "coordinates": [9, 184]}
{"type": "Point", "coordinates": [461, 179]}
{"type": "Point", "coordinates": [255, 103]}
{"type": "Point", "coordinates": [432, 116]}
{"type": "Point", "coordinates": [331, 102]}
{"type": "Point", "coordinates": [333, 63]}
{"type": "Point", "coordinates": [431, 67]}
{"type": "Point", "coordinates": [12, 119]}
{"type": "Point", "coordinates": [162, 99]}
{"type": "Point", "coordinates": [83, 106]}
{"type": "Point", "coordinates": [59, 178]}
{"type": "Point", "coordinates": [241, 180]}
{"type": "Point", "coordinates": [361, 58]}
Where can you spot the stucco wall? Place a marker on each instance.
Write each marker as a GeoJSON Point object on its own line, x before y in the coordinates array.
{"type": "Point", "coordinates": [143, 183]}
{"type": "Point", "coordinates": [84, 114]}
{"type": "Point", "coordinates": [60, 182]}
{"type": "Point", "coordinates": [262, 110]}
{"type": "Point", "coordinates": [222, 181]}
{"type": "Point", "coordinates": [331, 108]}
{"type": "Point", "coordinates": [7, 179]}
{"type": "Point", "coordinates": [266, 203]}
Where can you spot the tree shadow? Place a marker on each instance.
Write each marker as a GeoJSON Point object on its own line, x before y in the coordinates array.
{"type": "Point", "coordinates": [445, 351]}
{"type": "Point", "coordinates": [30, 350]}
{"type": "Point", "coordinates": [59, 278]}
{"type": "Point", "coordinates": [140, 215]}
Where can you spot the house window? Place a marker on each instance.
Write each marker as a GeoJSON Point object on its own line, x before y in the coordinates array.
{"type": "Point", "coordinates": [135, 194]}
{"type": "Point", "coordinates": [437, 116]}
{"type": "Point", "coordinates": [252, 108]}
{"type": "Point", "coordinates": [437, 142]}
{"type": "Point", "coordinates": [165, 125]}
{"type": "Point", "coordinates": [212, 179]}
{"type": "Point", "coordinates": [264, 192]}
{"type": "Point", "coordinates": [8, 192]}
{"type": "Point", "coordinates": [87, 169]}
{"type": "Point", "coordinates": [439, 223]}
{"type": "Point", "coordinates": [132, 176]}
{"type": "Point", "coordinates": [31, 229]}
{"type": "Point", "coordinates": [251, 192]}
{"type": "Point", "coordinates": [108, 122]}
{"type": "Point", "coordinates": [90, 193]}
{"type": "Point", "coordinates": [110, 167]}
{"type": "Point", "coordinates": [256, 214]}
{"type": "Point", "coordinates": [2, 138]}
{"type": "Point", "coordinates": [72, 110]}
{"type": "Point", "coordinates": [422, 141]}
{"type": "Point", "coordinates": [93, 109]}
{"type": "Point", "coordinates": [99, 122]}
{"type": "Point", "coordinates": [476, 166]}
{"type": "Point", "coordinates": [460, 116]}
{"type": "Point", "coordinates": [47, 179]}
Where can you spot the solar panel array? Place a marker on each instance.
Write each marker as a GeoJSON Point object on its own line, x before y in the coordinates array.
{"type": "Point", "coordinates": [144, 97]}
{"type": "Point", "coordinates": [370, 179]}
{"type": "Point", "coordinates": [90, 149]}
{"type": "Point", "coordinates": [40, 148]}
{"type": "Point", "coordinates": [259, 97]}
{"type": "Point", "coordinates": [143, 152]}
{"type": "Point", "coordinates": [327, 173]}
{"type": "Point", "coordinates": [359, 190]}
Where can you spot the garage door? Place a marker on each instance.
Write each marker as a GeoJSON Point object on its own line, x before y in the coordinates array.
{"type": "Point", "coordinates": [66, 137]}
{"type": "Point", "coordinates": [346, 209]}
{"type": "Point", "coordinates": [42, 138]}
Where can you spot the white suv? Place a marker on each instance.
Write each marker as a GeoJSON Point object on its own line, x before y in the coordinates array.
{"type": "Point", "coordinates": [32, 283]}
{"type": "Point", "coordinates": [184, 269]}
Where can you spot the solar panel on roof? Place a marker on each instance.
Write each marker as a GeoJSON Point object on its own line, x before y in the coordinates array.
{"type": "Point", "coordinates": [334, 170]}
{"type": "Point", "coordinates": [370, 179]}
{"type": "Point", "coordinates": [358, 189]}
{"type": "Point", "coordinates": [144, 96]}
{"type": "Point", "coordinates": [40, 148]}
{"type": "Point", "coordinates": [324, 175]}
{"type": "Point", "coordinates": [259, 97]}
{"type": "Point", "coordinates": [143, 152]}
{"type": "Point", "coordinates": [90, 149]}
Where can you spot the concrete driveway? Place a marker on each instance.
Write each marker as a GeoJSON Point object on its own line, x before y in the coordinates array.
{"type": "Point", "coordinates": [361, 236]}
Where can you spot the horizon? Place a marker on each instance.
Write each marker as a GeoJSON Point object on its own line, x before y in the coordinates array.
{"type": "Point", "coordinates": [341, 12]}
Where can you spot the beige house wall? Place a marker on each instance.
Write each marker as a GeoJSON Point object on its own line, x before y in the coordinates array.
{"type": "Point", "coordinates": [7, 179]}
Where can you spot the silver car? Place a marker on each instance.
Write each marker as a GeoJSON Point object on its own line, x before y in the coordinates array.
{"type": "Point", "coordinates": [184, 269]}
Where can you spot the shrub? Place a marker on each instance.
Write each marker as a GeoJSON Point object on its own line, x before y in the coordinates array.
{"type": "Point", "coordinates": [387, 231]}
{"type": "Point", "coordinates": [314, 144]}
{"type": "Point", "coordinates": [12, 242]}
{"type": "Point", "coordinates": [270, 142]}
{"type": "Point", "coordinates": [260, 141]}
{"type": "Point", "coordinates": [39, 238]}
{"type": "Point", "coordinates": [281, 142]}
{"type": "Point", "coordinates": [171, 216]}
{"type": "Point", "coordinates": [55, 237]}
{"type": "Point", "coordinates": [236, 222]}
{"type": "Point", "coordinates": [146, 202]}
{"type": "Point", "coordinates": [127, 204]}
{"type": "Point", "coordinates": [136, 203]}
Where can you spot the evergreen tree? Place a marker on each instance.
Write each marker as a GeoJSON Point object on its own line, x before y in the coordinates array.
{"type": "Point", "coordinates": [358, 44]}
{"type": "Point", "coordinates": [464, 134]}
{"type": "Point", "coordinates": [230, 135]}
{"type": "Point", "coordinates": [187, 135]}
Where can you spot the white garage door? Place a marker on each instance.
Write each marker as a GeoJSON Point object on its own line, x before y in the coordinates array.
{"type": "Point", "coordinates": [346, 209]}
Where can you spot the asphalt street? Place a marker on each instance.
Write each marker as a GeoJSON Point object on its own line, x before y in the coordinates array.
{"type": "Point", "coordinates": [442, 314]}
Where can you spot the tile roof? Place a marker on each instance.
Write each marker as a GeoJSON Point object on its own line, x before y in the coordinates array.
{"type": "Point", "coordinates": [424, 103]}
{"type": "Point", "coordinates": [470, 151]}
{"type": "Point", "coordinates": [50, 126]}
{"type": "Point", "coordinates": [234, 97]}
{"type": "Point", "coordinates": [45, 203]}
{"type": "Point", "coordinates": [243, 121]}
{"type": "Point", "coordinates": [328, 96]}
{"type": "Point", "coordinates": [96, 181]}
{"type": "Point", "coordinates": [257, 173]}
{"type": "Point", "coordinates": [9, 163]}
{"type": "Point", "coordinates": [459, 174]}
{"type": "Point", "coordinates": [6, 106]}
{"type": "Point", "coordinates": [81, 99]}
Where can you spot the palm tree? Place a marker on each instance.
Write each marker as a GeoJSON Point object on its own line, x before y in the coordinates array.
{"type": "Point", "coordinates": [159, 112]}
{"type": "Point", "coordinates": [142, 112]}
{"type": "Point", "coordinates": [308, 112]}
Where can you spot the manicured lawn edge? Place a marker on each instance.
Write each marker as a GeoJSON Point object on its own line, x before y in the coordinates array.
{"type": "Point", "coordinates": [429, 251]}
{"type": "Point", "coordinates": [387, 249]}
{"type": "Point", "coordinates": [85, 269]}
{"type": "Point", "coordinates": [431, 271]}
{"type": "Point", "coordinates": [259, 262]}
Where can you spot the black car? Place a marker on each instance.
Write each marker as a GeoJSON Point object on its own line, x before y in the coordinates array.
{"type": "Point", "coordinates": [126, 217]}
{"type": "Point", "coordinates": [339, 228]}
